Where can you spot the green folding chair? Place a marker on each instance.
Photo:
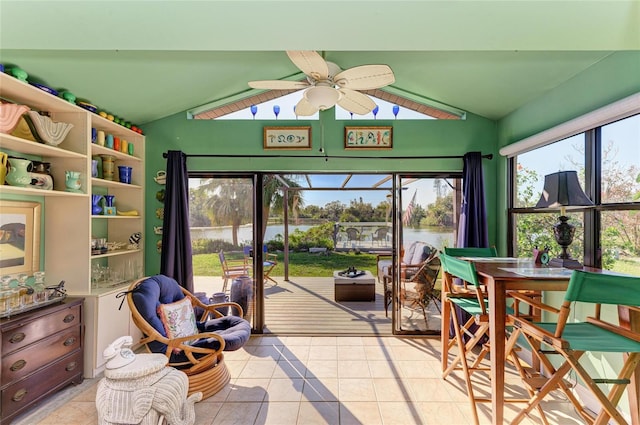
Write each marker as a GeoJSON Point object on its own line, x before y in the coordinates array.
{"type": "Point", "coordinates": [572, 339]}
{"type": "Point", "coordinates": [471, 252]}
{"type": "Point", "coordinates": [475, 304]}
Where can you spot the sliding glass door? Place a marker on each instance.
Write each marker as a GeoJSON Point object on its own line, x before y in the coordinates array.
{"type": "Point", "coordinates": [425, 220]}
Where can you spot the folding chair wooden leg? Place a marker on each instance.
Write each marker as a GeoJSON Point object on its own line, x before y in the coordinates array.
{"type": "Point", "coordinates": [266, 276]}
{"type": "Point", "coordinates": [467, 375]}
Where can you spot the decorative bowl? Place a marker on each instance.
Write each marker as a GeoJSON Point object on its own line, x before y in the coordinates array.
{"type": "Point", "coordinates": [24, 131]}
{"type": "Point", "coordinates": [10, 114]}
{"type": "Point", "coordinates": [52, 133]}
{"type": "Point", "coordinates": [45, 88]}
{"type": "Point", "coordinates": [89, 107]}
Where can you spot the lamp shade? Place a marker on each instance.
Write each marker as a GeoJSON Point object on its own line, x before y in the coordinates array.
{"type": "Point", "coordinates": [322, 97]}
{"type": "Point", "coordinates": [562, 189]}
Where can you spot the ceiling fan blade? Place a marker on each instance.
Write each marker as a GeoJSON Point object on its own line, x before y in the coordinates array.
{"type": "Point", "coordinates": [278, 85]}
{"type": "Point", "coordinates": [356, 102]}
{"type": "Point", "coordinates": [304, 108]}
{"type": "Point", "coordinates": [310, 62]}
{"type": "Point", "coordinates": [365, 77]}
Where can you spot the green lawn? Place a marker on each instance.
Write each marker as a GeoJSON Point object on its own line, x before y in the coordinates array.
{"type": "Point", "coordinates": [301, 264]}
{"type": "Point", "coordinates": [627, 265]}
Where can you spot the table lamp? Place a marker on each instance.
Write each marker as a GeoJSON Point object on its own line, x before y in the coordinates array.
{"type": "Point", "coordinates": [562, 189]}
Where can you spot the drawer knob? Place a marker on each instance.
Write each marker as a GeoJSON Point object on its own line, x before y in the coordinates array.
{"type": "Point", "coordinates": [71, 366]}
{"type": "Point", "coordinates": [18, 365]}
{"type": "Point", "coordinates": [70, 341]}
{"type": "Point", "coordinates": [69, 318]}
{"type": "Point", "coordinates": [19, 395]}
{"type": "Point", "coordinates": [15, 338]}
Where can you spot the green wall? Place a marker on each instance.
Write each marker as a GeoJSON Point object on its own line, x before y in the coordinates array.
{"type": "Point", "coordinates": [410, 138]}
{"type": "Point", "coordinates": [609, 80]}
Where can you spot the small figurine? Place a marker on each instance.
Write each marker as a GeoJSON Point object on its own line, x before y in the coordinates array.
{"type": "Point", "coordinates": [135, 238]}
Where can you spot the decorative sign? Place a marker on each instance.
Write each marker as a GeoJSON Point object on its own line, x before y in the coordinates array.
{"type": "Point", "coordinates": [287, 138]}
{"type": "Point", "coordinates": [368, 137]}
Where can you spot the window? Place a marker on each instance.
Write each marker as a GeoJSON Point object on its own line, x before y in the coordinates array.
{"type": "Point", "coordinates": [607, 159]}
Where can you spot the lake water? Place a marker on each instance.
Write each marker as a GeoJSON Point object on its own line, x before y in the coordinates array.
{"type": "Point", "coordinates": [245, 234]}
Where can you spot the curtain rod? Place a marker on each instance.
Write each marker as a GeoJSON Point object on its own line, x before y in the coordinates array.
{"type": "Point", "coordinates": [325, 157]}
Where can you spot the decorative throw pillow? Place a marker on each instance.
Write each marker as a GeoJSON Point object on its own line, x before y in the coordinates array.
{"type": "Point", "coordinates": [178, 319]}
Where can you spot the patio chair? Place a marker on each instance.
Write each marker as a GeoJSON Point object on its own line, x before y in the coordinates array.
{"type": "Point", "coordinates": [475, 304]}
{"type": "Point", "coordinates": [412, 261]}
{"type": "Point", "coordinates": [232, 269]}
{"type": "Point", "coordinates": [269, 263]}
{"type": "Point", "coordinates": [573, 339]}
{"type": "Point", "coordinates": [423, 290]}
{"type": "Point", "coordinates": [353, 234]}
{"type": "Point", "coordinates": [191, 334]}
{"type": "Point", "coordinates": [380, 236]}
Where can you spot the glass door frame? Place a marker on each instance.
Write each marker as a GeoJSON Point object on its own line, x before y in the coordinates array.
{"type": "Point", "coordinates": [398, 178]}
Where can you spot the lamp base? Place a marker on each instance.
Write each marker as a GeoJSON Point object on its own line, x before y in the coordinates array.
{"type": "Point", "coordinates": [567, 263]}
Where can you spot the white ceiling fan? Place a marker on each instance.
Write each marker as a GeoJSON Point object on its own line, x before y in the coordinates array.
{"type": "Point", "coordinates": [327, 84]}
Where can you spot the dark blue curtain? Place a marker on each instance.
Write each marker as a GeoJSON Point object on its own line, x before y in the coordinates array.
{"type": "Point", "coordinates": [175, 259]}
{"type": "Point", "coordinates": [472, 228]}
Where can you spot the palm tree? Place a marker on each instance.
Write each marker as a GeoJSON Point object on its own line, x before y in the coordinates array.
{"type": "Point", "coordinates": [273, 197]}
{"type": "Point", "coordinates": [230, 202]}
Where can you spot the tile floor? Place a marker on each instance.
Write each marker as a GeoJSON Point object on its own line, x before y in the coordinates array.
{"type": "Point", "coordinates": [325, 380]}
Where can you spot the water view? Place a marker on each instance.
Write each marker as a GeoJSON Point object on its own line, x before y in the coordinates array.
{"type": "Point", "coordinates": [433, 236]}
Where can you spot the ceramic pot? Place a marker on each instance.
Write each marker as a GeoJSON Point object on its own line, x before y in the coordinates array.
{"type": "Point", "coordinates": [108, 166]}
{"type": "Point", "coordinates": [94, 168]}
{"type": "Point", "coordinates": [41, 167]}
{"type": "Point", "coordinates": [124, 173]}
{"type": "Point", "coordinates": [72, 181]}
{"type": "Point", "coordinates": [109, 199]}
{"type": "Point", "coordinates": [18, 174]}
{"type": "Point", "coordinates": [41, 181]}
{"type": "Point", "coordinates": [95, 204]}
{"type": "Point", "coordinates": [3, 167]}
{"type": "Point", "coordinates": [10, 114]}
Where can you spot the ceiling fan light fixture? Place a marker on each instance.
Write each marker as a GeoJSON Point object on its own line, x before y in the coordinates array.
{"type": "Point", "coordinates": [322, 97]}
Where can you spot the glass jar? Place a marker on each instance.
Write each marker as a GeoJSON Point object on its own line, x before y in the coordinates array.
{"type": "Point", "coordinates": [39, 287]}
{"type": "Point", "coordinates": [26, 291]}
{"type": "Point", "coordinates": [15, 301]}
{"type": "Point", "coordinates": [5, 294]}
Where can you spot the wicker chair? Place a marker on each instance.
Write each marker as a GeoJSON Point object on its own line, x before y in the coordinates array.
{"type": "Point", "coordinates": [200, 355]}
{"type": "Point", "coordinates": [423, 291]}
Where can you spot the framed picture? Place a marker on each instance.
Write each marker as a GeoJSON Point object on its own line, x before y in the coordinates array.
{"type": "Point", "coordinates": [287, 138]}
{"type": "Point", "coordinates": [368, 137]}
{"type": "Point", "coordinates": [19, 237]}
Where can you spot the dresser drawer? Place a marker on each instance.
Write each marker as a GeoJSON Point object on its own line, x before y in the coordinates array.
{"type": "Point", "coordinates": [23, 362]}
{"type": "Point", "coordinates": [31, 331]}
{"type": "Point", "coordinates": [20, 394]}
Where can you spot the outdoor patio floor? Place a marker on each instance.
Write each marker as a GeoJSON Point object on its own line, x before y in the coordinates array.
{"type": "Point", "coordinates": [306, 305]}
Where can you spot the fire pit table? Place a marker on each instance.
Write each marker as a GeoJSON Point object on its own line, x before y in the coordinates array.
{"type": "Point", "coordinates": [356, 288]}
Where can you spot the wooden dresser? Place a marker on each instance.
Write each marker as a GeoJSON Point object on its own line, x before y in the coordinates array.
{"type": "Point", "coordinates": [42, 352]}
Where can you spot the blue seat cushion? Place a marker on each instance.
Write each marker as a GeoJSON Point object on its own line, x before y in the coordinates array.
{"type": "Point", "coordinates": [234, 330]}
{"type": "Point", "coordinates": [160, 289]}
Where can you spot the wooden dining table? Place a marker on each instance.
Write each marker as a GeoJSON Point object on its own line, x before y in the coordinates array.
{"type": "Point", "coordinates": [500, 275]}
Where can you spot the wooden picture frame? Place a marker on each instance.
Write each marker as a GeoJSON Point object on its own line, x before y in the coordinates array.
{"type": "Point", "coordinates": [298, 138]}
{"type": "Point", "coordinates": [20, 237]}
{"type": "Point", "coordinates": [375, 137]}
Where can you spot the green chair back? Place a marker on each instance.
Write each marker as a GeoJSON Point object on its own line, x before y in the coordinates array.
{"type": "Point", "coordinates": [599, 288]}
{"type": "Point", "coordinates": [464, 270]}
{"type": "Point", "coordinates": [471, 252]}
